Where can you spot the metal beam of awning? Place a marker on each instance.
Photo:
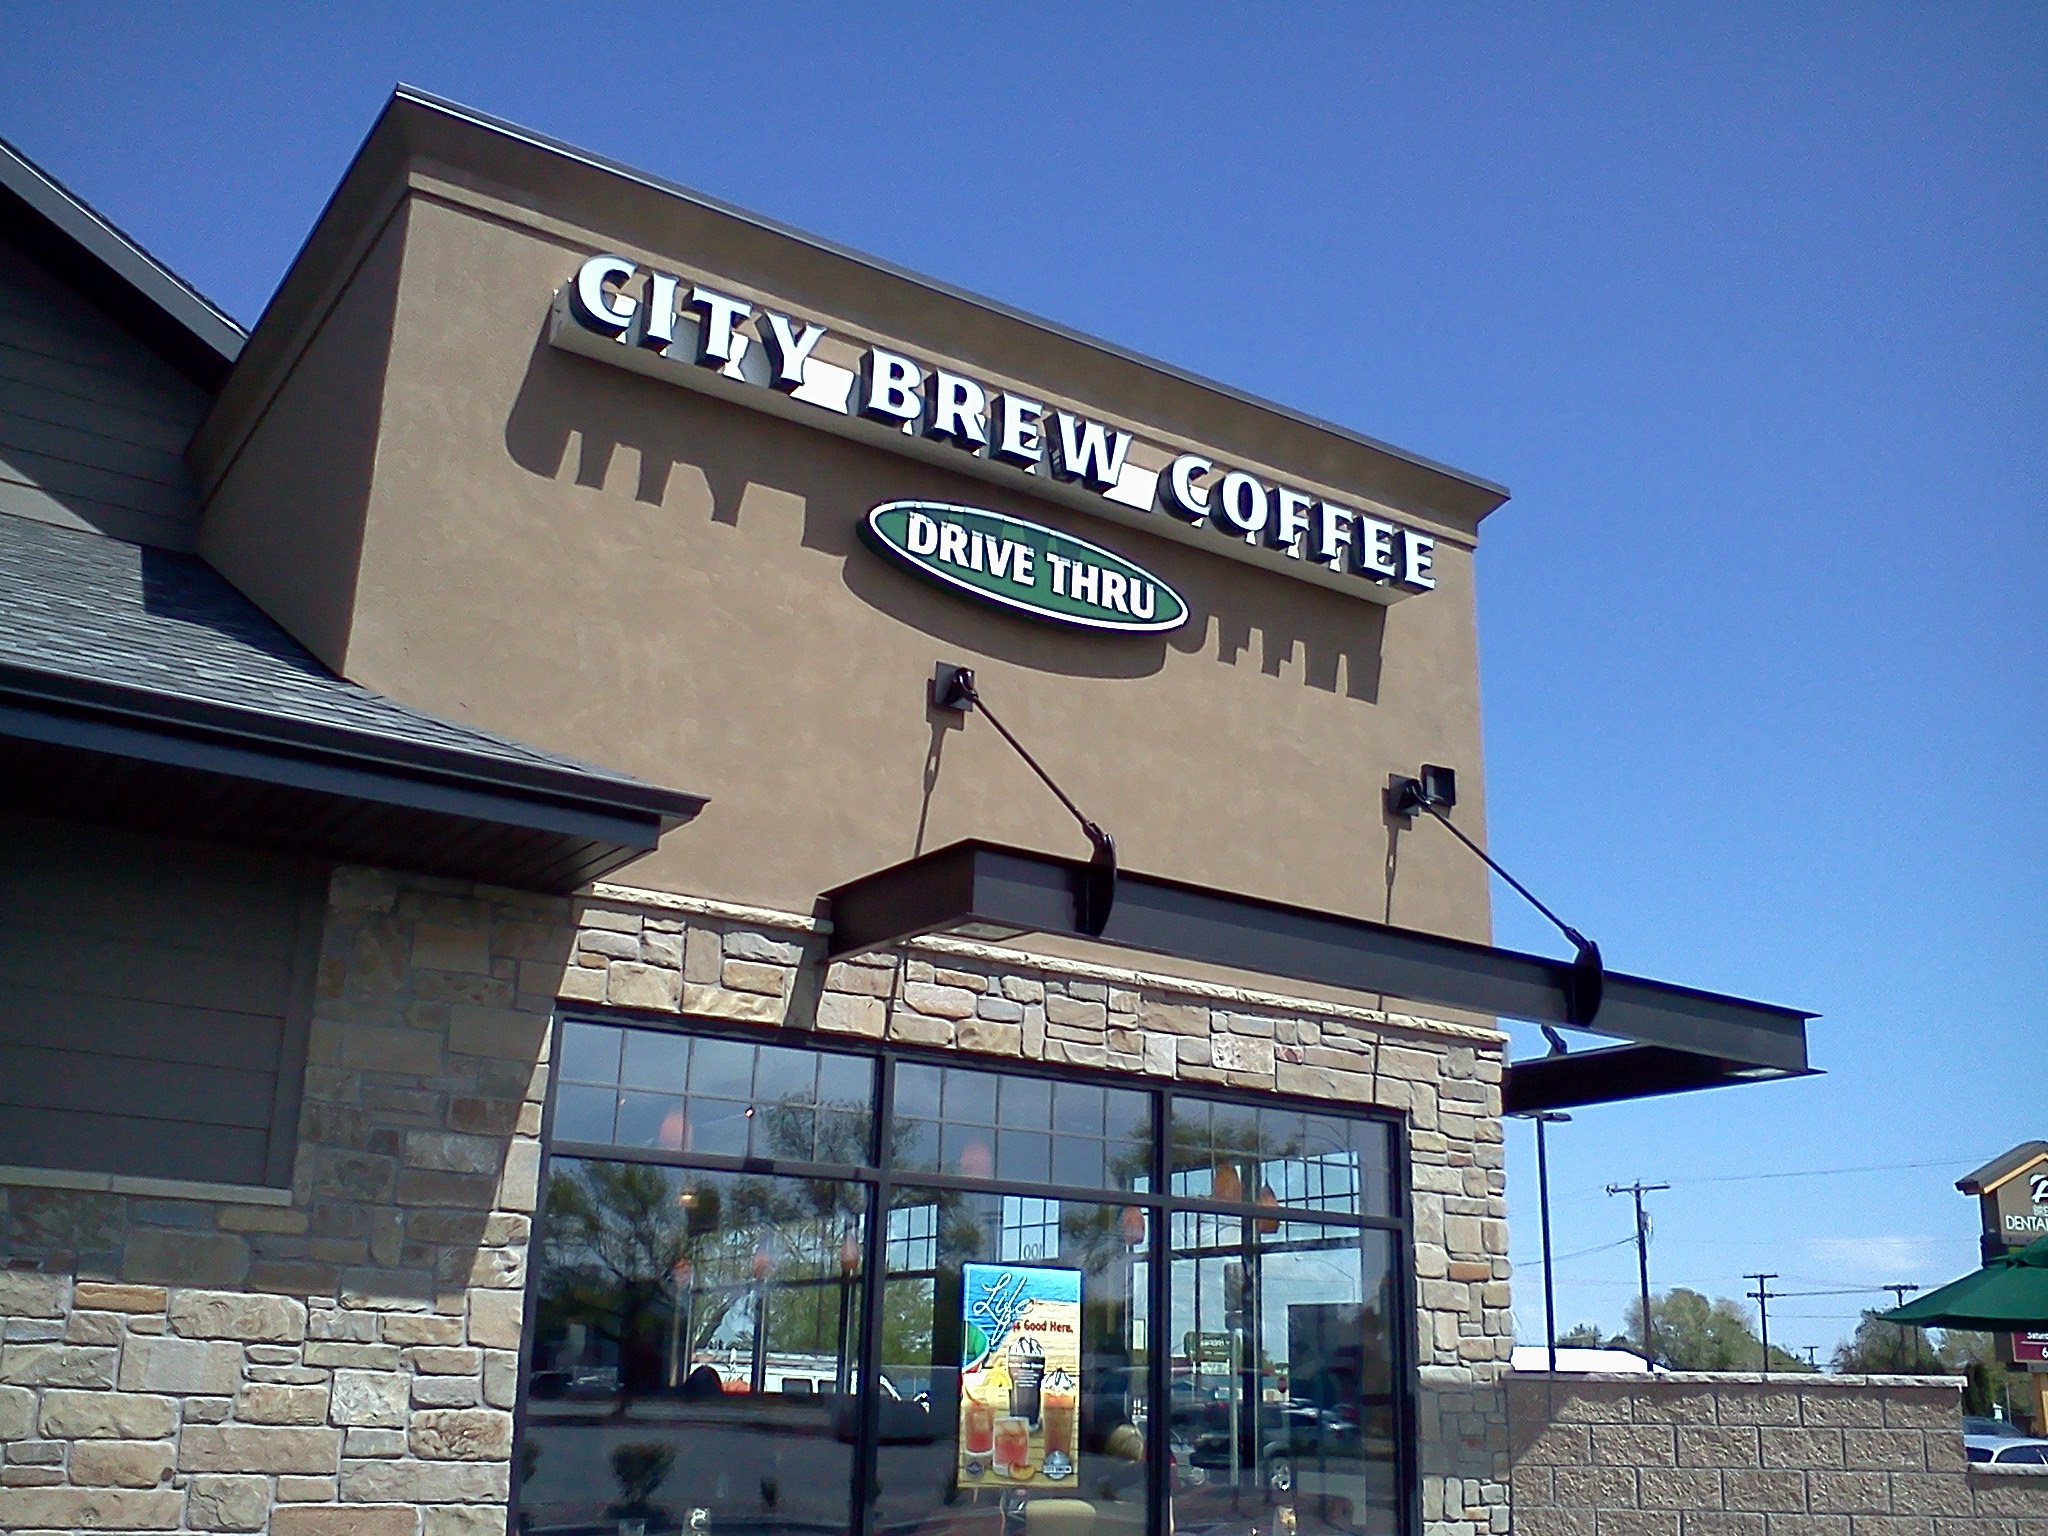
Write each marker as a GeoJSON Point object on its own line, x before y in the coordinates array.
{"type": "Point", "coordinates": [1693, 1039]}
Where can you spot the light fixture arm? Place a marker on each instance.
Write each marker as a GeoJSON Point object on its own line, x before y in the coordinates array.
{"type": "Point", "coordinates": [1433, 793]}
{"type": "Point", "coordinates": [1095, 892]}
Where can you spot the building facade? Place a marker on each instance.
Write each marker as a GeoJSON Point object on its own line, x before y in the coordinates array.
{"type": "Point", "coordinates": [1055, 1096]}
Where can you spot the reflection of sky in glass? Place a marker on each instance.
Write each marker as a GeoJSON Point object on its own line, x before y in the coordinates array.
{"type": "Point", "coordinates": [1326, 1265]}
{"type": "Point", "coordinates": [659, 1089]}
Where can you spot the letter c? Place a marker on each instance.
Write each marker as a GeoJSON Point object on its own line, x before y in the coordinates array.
{"type": "Point", "coordinates": [596, 305]}
{"type": "Point", "coordinates": [1182, 496]}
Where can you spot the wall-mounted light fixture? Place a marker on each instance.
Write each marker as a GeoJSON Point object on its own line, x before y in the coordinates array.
{"type": "Point", "coordinates": [1433, 792]}
{"type": "Point", "coordinates": [952, 688]}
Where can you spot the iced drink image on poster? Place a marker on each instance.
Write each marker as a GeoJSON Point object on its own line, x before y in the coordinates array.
{"type": "Point", "coordinates": [1020, 1375]}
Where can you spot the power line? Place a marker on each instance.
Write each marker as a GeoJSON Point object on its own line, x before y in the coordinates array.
{"type": "Point", "coordinates": [1619, 1242]}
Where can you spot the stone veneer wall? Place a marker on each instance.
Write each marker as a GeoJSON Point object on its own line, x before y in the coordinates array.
{"type": "Point", "coordinates": [339, 1359]}
{"type": "Point", "coordinates": [342, 1357]}
{"type": "Point", "coordinates": [1710, 1454]}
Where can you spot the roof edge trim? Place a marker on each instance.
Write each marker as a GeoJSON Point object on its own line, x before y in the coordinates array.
{"type": "Point", "coordinates": [121, 263]}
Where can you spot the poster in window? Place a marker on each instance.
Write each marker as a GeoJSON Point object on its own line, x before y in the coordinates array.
{"type": "Point", "coordinates": [1020, 1375]}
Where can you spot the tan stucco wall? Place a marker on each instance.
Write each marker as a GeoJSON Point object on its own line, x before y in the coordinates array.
{"type": "Point", "coordinates": [285, 521]}
{"type": "Point", "coordinates": [612, 567]}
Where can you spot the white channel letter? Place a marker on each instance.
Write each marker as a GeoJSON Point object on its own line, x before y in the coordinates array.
{"type": "Point", "coordinates": [1333, 533]}
{"type": "Point", "coordinates": [1182, 496]}
{"type": "Point", "coordinates": [658, 328]}
{"type": "Point", "coordinates": [596, 305]}
{"type": "Point", "coordinates": [1418, 560]}
{"type": "Point", "coordinates": [1143, 595]}
{"type": "Point", "coordinates": [1088, 451]}
{"type": "Point", "coordinates": [714, 341]}
{"type": "Point", "coordinates": [1020, 430]}
{"type": "Point", "coordinates": [1290, 520]}
{"type": "Point", "coordinates": [1114, 585]}
{"type": "Point", "coordinates": [890, 386]}
{"type": "Point", "coordinates": [952, 543]}
{"type": "Point", "coordinates": [1084, 585]}
{"type": "Point", "coordinates": [788, 350]}
{"type": "Point", "coordinates": [1060, 565]}
{"type": "Point", "coordinates": [921, 534]}
{"type": "Point", "coordinates": [1243, 502]}
{"type": "Point", "coordinates": [1375, 551]}
{"type": "Point", "coordinates": [1006, 557]}
{"type": "Point", "coordinates": [959, 410]}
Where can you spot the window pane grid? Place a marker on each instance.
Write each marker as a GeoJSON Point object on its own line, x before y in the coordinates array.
{"type": "Point", "coordinates": [1284, 1307]}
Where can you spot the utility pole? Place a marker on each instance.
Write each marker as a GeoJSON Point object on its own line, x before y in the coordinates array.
{"type": "Point", "coordinates": [1544, 1117]}
{"type": "Point", "coordinates": [1640, 1189]}
{"type": "Point", "coordinates": [1900, 1293]}
{"type": "Point", "coordinates": [1762, 1293]}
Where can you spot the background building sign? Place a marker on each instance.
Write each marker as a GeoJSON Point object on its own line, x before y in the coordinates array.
{"type": "Point", "coordinates": [1025, 566]}
{"type": "Point", "coordinates": [1020, 1374]}
{"type": "Point", "coordinates": [667, 326]}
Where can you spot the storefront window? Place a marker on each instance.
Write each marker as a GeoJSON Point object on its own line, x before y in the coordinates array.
{"type": "Point", "coordinates": [695, 1349]}
{"type": "Point", "coordinates": [1283, 1382]}
{"type": "Point", "coordinates": [704, 1324]}
{"type": "Point", "coordinates": [1022, 1322]}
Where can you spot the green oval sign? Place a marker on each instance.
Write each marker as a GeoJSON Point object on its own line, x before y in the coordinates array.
{"type": "Point", "coordinates": [1025, 566]}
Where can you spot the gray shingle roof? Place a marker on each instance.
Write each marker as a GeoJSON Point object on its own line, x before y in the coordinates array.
{"type": "Point", "coordinates": [79, 608]}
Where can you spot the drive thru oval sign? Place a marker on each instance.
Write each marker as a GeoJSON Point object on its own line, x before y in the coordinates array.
{"type": "Point", "coordinates": [1025, 566]}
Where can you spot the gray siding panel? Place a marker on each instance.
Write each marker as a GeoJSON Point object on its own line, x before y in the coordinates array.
{"type": "Point", "coordinates": [156, 1149]}
{"type": "Point", "coordinates": [88, 1083]}
{"type": "Point", "coordinates": [93, 425]}
{"type": "Point", "coordinates": [154, 996]}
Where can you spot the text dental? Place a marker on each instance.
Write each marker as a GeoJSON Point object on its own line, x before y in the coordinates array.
{"type": "Point", "coordinates": [1008, 427]}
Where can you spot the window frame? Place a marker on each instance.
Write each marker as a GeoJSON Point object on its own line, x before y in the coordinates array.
{"type": "Point", "coordinates": [880, 1178]}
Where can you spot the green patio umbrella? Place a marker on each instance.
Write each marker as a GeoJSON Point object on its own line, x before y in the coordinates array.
{"type": "Point", "coordinates": [2008, 1295]}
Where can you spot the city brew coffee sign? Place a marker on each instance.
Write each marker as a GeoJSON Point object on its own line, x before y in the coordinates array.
{"type": "Point", "coordinates": [667, 326]}
{"type": "Point", "coordinates": [1025, 566]}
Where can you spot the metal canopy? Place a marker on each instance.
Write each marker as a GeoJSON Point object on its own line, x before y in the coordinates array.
{"type": "Point", "coordinates": [1679, 1038]}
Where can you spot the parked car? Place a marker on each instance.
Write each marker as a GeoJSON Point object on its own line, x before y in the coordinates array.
{"type": "Point", "coordinates": [1974, 1424]}
{"type": "Point", "coordinates": [2006, 1450]}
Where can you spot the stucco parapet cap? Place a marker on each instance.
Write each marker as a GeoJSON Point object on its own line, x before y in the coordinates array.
{"type": "Point", "coordinates": [414, 108]}
{"type": "Point", "coordinates": [1744, 1379]}
{"type": "Point", "coordinates": [604, 893]}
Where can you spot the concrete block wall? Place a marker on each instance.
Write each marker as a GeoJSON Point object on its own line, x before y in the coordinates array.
{"type": "Point", "coordinates": [1710, 1454]}
{"type": "Point", "coordinates": [339, 1358]}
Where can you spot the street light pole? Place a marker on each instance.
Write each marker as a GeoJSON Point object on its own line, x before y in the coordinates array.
{"type": "Point", "coordinates": [1545, 1117]}
{"type": "Point", "coordinates": [1640, 1189]}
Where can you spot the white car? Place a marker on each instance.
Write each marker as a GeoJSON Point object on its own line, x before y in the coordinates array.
{"type": "Point", "coordinates": [2006, 1450]}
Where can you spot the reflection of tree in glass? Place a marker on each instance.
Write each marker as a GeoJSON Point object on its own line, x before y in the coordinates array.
{"type": "Point", "coordinates": [612, 1233]}
{"type": "Point", "coordinates": [615, 1234]}
{"type": "Point", "coordinates": [639, 1469]}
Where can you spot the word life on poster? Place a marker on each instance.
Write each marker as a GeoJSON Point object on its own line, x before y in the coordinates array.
{"type": "Point", "coordinates": [1020, 1375]}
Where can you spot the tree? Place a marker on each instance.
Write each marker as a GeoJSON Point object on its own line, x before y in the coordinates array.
{"type": "Point", "coordinates": [1878, 1347]}
{"type": "Point", "coordinates": [1987, 1380]}
{"type": "Point", "coordinates": [1692, 1333]}
{"type": "Point", "coordinates": [1582, 1336]}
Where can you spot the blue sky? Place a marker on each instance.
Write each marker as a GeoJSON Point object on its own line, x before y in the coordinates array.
{"type": "Point", "coordinates": [1748, 304]}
